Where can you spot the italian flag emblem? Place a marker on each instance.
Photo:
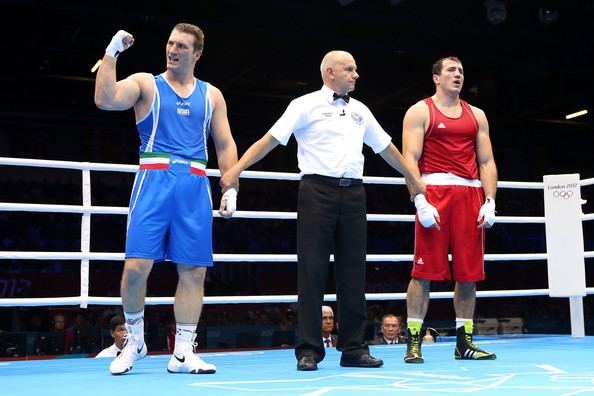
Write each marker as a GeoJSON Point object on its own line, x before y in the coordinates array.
{"type": "Point", "coordinates": [198, 167]}
{"type": "Point", "coordinates": [154, 161]}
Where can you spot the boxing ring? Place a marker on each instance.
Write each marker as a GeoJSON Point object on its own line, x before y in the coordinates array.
{"type": "Point", "coordinates": [526, 363]}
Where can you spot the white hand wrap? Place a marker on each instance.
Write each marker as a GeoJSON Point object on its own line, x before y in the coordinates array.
{"type": "Point", "coordinates": [425, 211]}
{"type": "Point", "coordinates": [487, 211]}
{"type": "Point", "coordinates": [230, 196]}
{"type": "Point", "coordinates": [121, 41]}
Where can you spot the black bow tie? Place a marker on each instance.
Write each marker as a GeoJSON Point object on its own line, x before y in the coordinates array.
{"type": "Point", "coordinates": [346, 97]}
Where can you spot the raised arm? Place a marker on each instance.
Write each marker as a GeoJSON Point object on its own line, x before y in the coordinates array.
{"type": "Point", "coordinates": [111, 94]}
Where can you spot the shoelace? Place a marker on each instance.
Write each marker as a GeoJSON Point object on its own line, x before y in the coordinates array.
{"type": "Point", "coordinates": [192, 346]}
{"type": "Point", "coordinates": [468, 338]}
{"type": "Point", "coordinates": [125, 349]}
{"type": "Point", "coordinates": [193, 343]}
{"type": "Point", "coordinates": [415, 343]}
{"type": "Point", "coordinates": [126, 339]}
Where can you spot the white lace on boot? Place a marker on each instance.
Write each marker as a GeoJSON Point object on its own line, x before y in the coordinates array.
{"type": "Point", "coordinates": [134, 349]}
{"type": "Point", "coordinates": [184, 360]}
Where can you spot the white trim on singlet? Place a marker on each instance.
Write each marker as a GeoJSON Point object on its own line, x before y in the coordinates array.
{"type": "Point", "coordinates": [177, 93]}
{"type": "Point", "coordinates": [207, 118]}
{"type": "Point", "coordinates": [156, 109]}
{"type": "Point", "coordinates": [152, 104]}
{"type": "Point", "coordinates": [449, 179]}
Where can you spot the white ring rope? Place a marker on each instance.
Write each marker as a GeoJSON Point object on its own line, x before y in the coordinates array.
{"type": "Point", "coordinates": [259, 258]}
{"type": "Point", "coordinates": [121, 210]}
{"type": "Point", "coordinates": [280, 298]}
{"type": "Point", "coordinates": [85, 255]}
{"type": "Point", "coordinates": [95, 166]}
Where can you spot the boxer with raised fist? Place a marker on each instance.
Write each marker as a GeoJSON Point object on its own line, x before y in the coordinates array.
{"type": "Point", "coordinates": [170, 215]}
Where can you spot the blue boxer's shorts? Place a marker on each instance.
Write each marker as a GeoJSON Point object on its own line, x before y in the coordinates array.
{"type": "Point", "coordinates": [170, 215]}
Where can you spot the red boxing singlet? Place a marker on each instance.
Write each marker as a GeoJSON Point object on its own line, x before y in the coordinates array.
{"type": "Point", "coordinates": [449, 145]}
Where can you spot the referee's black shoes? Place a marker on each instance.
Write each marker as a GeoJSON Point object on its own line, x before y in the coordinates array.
{"type": "Point", "coordinates": [307, 363]}
{"type": "Point", "coordinates": [365, 360]}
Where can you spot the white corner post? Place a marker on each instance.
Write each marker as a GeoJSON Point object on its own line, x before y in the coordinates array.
{"type": "Point", "coordinates": [565, 244]}
{"type": "Point", "coordinates": [85, 236]}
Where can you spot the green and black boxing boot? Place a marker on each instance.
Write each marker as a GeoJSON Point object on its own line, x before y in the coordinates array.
{"type": "Point", "coordinates": [466, 349]}
{"type": "Point", "coordinates": [413, 343]}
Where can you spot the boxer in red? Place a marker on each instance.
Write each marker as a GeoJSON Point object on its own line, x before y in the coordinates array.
{"type": "Point", "coordinates": [447, 142]}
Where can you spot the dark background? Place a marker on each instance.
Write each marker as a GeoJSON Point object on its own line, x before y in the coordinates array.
{"type": "Point", "coordinates": [526, 72]}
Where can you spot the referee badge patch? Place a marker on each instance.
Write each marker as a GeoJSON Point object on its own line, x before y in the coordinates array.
{"type": "Point", "coordinates": [357, 118]}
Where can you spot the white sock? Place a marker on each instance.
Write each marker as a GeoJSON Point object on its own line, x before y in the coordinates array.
{"type": "Point", "coordinates": [135, 323]}
{"type": "Point", "coordinates": [408, 320]}
{"type": "Point", "coordinates": [460, 322]}
{"type": "Point", "coordinates": [184, 337]}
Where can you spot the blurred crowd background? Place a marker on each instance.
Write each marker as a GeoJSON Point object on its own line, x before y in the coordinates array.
{"type": "Point", "coordinates": [526, 66]}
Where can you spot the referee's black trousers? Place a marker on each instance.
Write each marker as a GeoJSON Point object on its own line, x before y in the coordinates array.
{"type": "Point", "coordinates": [331, 219]}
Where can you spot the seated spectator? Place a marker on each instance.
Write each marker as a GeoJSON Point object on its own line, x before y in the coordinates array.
{"type": "Point", "coordinates": [58, 323]}
{"type": "Point", "coordinates": [328, 338]}
{"type": "Point", "coordinates": [75, 339]}
{"type": "Point", "coordinates": [288, 320]}
{"type": "Point", "coordinates": [118, 333]}
{"type": "Point", "coordinates": [59, 333]}
{"type": "Point", "coordinates": [390, 331]}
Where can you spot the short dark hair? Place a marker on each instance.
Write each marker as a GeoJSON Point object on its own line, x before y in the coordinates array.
{"type": "Point", "coordinates": [114, 322]}
{"type": "Point", "coordinates": [194, 31]}
{"type": "Point", "coordinates": [437, 66]}
{"type": "Point", "coordinates": [390, 315]}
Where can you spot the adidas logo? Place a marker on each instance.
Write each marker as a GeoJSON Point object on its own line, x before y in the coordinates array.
{"type": "Point", "coordinates": [420, 261]}
{"type": "Point", "coordinates": [441, 126]}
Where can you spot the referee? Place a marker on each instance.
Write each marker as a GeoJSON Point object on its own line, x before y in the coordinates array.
{"type": "Point", "coordinates": [330, 128]}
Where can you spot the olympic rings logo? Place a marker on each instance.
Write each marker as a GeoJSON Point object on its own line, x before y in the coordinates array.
{"type": "Point", "coordinates": [563, 194]}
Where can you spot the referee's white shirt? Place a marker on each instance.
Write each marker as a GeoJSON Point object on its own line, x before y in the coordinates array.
{"type": "Point", "coordinates": [330, 134]}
